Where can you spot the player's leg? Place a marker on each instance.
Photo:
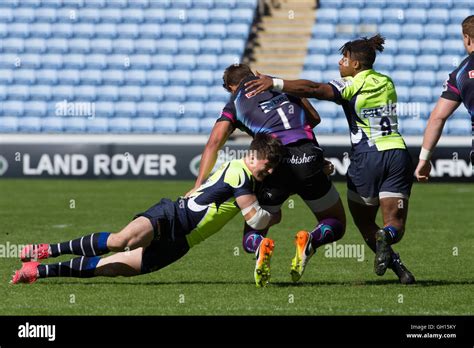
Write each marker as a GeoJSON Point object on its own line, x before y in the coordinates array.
{"type": "Point", "coordinates": [364, 217]}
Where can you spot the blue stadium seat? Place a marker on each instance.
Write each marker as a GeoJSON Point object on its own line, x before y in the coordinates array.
{"type": "Point", "coordinates": [393, 16]}
{"type": "Point", "coordinates": [8, 124]}
{"type": "Point", "coordinates": [110, 15]}
{"type": "Point", "coordinates": [152, 93]}
{"type": "Point", "coordinates": [243, 15]}
{"type": "Point", "coordinates": [40, 92]}
{"type": "Point", "coordinates": [176, 93]}
{"type": "Point", "coordinates": [211, 46]}
{"type": "Point", "coordinates": [6, 76]}
{"type": "Point", "coordinates": [206, 124]}
{"type": "Point", "coordinates": [238, 31]}
{"type": "Point", "coordinates": [62, 30]}
{"type": "Point", "coordinates": [127, 30]}
{"type": "Point", "coordinates": [206, 61]}
{"type": "Point", "coordinates": [180, 77]}
{"type": "Point", "coordinates": [202, 77]}
{"type": "Point", "coordinates": [135, 77]}
{"type": "Point", "coordinates": [34, 45]}
{"type": "Point", "coordinates": [402, 78]}
{"type": "Point", "coordinates": [140, 61]}
{"type": "Point", "coordinates": [459, 126]}
{"type": "Point", "coordinates": [228, 59]}
{"type": "Point", "coordinates": [403, 93]}
{"type": "Point", "coordinates": [125, 46]}
{"type": "Point", "coordinates": [70, 76]}
{"type": "Point", "coordinates": [45, 14]}
{"type": "Point", "coordinates": [384, 61]}
{"type": "Point", "coordinates": [213, 109]}
{"type": "Point", "coordinates": [421, 94]}
{"type": "Point", "coordinates": [315, 61]}
{"type": "Point", "coordinates": [52, 124]}
{"type": "Point", "coordinates": [93, 15]}
{"type": "Point", "coordinates": [352, 3]}
{"type": "Point", "coordinates": [41, 30]}
{"type": "Point", "coordinates": [416, 15]}
{"type": "Point", "coordinates": [325, 127]}
{"type": "Point", "coordinates": [435, 31]}
{"type": "Point", "coordinates": [155, 15]}
{"type": "Point", "coordinates": [125, 109]}
{"type": "Point", "coordinates": [84, 30]}
{"type": "Point", "coordinates": [188, 125]}
{"type": "Point", "coordinates": [171, 109]}
{"type": "Point", "coordinates": [27, 76]}
{"type": "Point", "coordinates": [30, 124]}
{"type": "Point", "coordinates": [105, 30]}
{"type": "Point", "coordinates": [184, 61]}
{"type": "Point", "coordinates": [350, 15]}
{"type": "Point", "coordinates": [18, 30]}
{"type": "Point", "coordinates": [150, 31]}
{"type": "Point", "coordinates": [162, 61]}
{"type": "Point", "coordinates": [14, 45]}
{"type": "Point", "coordinates": [193, 109]}
{"type": "Point", "coordinates": [23, 89]}
{"type": "Point", "coordinates": [171, 31]}
{"type": "Point", "coordinates": [75, 124]}
{"type": "Point", "coordinates": [104, 108]}
{"type": "Point", "coordinates": [75, 46]}
{"type": "Point", "coordinates": [454, 47]}
{"type": "Point", "coordinates": [61, 92]}
{"type": "Point", "coordinates": [98, 125]}
{"type": "Point", "coordinates": [412, 126]}
{"type": "Point", "coordinates": [85, 93]}
{"type": "Point", "coordinates": [326, 109]}
{"type": "Point", "coordinates": [453, 31]}
{"type": "Point", "coordinates": [329, 75]}
{"type": "Point", "coordinates": [6, 15]}
{"type": "Point", "coordinates": [321, 46]}
{"type": "Point", "coordinates": [216, 31]}
{"type": "Point", "coordinates": [340, 125]}
{"type": "Point", "coordinates": [197, 93]}
{"type": "Point", "coordinates": [412, 31]}
{"type": "Point", "coordinates": [449, 61]}
{"type": "Point", "coordinates": [158, 77]}
{"type": "Point", "coordinates": [199, 15]}
{"type": "Point", "coordinates": [390, 30]}
{"type": "Point", "coordinates": [372, 15]}
{"type": "Point", "coordinates": [415, 4]}
{"type": "Point", "coordinates": [409, 47]}
{"type": "Point", "coordinates": [194, 30]}
{"type": "Point", "coordinates": [130, 93]}
{"type": "Point", "coordinates": [91, 76]}
{"type": "Point", "coordinates": [327, 15]}
{"type": "Point", "coordinates": [166, 125]}
{"type": "Point", "coordinates": [324, 31]}
{"type": "Point", "coordinates": [218, 93]}
{"type": "Point", "coordinates": [148, 109]}
{"type": "Point", "coordinates": [35, 108]}
{"type": "Point", "coordinates": [427, 62]}
{"type": "Point", "coordinates": [132, 15]}
{"type": "Point", "coordinates": [143, 125]}
{"type": "Point", "coordinates": [424, 78]}
{"type": "Point", "coordinates": [24, 14]}
{"type": "Point", "coordinates": [313, 75]}
{"type": "Point", "coordinates": [30, 61]}
{"type": "Point", "coordinates": [12, 108]}
{"type": "Point", "coordinates": [431, 47]}
{"type": "Point", "coordinates": [203, 4]}
{"type": "Point", "coordinates": [250, 4]}
{"type": "Point", "coordinates": [457, 15]}
{"type": "Point", "coordinates": [331, 4]}
{"type": "Point", "coordinates": [439, 16]}
{"type": "Point", "coordinates": [189, 46]}
{"type": "Point", "coordinates": [168, 46]}
{"type": "Point", "coordinates": [233, 46]}
{"type": "Point", "coordinates": [405, 62]}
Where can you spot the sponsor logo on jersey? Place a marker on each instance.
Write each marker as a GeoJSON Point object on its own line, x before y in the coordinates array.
{"type": "Point", "coordinates": [340, 84]}
{"type": "Point", "coordinates": [471, 74]}
{"type": "Point", "coordinates": [300, 159]}
{"type": "Point", "coordinates": [274, 103]}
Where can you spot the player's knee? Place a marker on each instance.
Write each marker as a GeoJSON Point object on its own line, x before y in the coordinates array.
{"type": "Point", "coordinates": [117, 242]}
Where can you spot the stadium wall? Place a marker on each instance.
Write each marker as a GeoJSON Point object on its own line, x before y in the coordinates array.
{"type": "Point", "coordinates": [177, 157]}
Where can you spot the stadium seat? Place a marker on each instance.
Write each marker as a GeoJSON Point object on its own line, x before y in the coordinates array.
{"type": "Point", "coordinates": [71, 61]}
{"type": "Point", "coordinates": [412, 126]}
{"type": "Point", "coordinates": [390, 30]}
{"type": "Point", "coordinates": [435, 31]}
{"type": "Point", "coordinates": [327, 15]}
{"type": "Point", "coordinates": [325, 127]}
{"type": "Point", "coordinates": [125, 109]}
{"type": "Point", "coordinates": [193, 109]}
{"type": "Point", "coordinates": [109, 30]}
{"type": "Point", "coordinates": [350, 15]}
{"type": "Point", "coordinates": [171, 31]}
{"type": "Point", "coordinates": [135, 77]}
{"type": "Point", "coordinates": [143, 125]}
{"type": "Point", "coordinates": [188, 125]}
{"type": "Point", "coordinates": [168, 46]}
{"type": "Point", "coordinates": [184, 61]}
{"type": "Point", "coordinates": [152, 93]}
{"type": "Point", "coordinates": [321, 46]}
{"type": "Point", "coordinates": [202, 77]}
{"type": "Point", "coordinates": [385, 61]}
{"type": "Point", "coordinates": [403, 93]}
{"type": "Point", "coordinates": [97, 125]}
{"type": "Point", "coordinates": [197, 93]}
{"type": "Point", "coordinates": [213, 109]}
{"type": "Point", "coordinates": [449, 62]}
{"type": "Point", "coordinates": [180, 77]}
{"type": "Point", "coordinates": [104, 109]}
{"type": "Point", "coordinates": [429, 46]}
{"type": "Point", "coordinates": [176, 93]}
{"type": "Point", "coordinates": [421, 94]}
{"type": "Point", "coordinates": [171, 109]}
{"type": "Point", "coordinates": [53, 124]}
{"type": "Point", "coordinates": [18, 30]}
{"type": "Point", "coordinates": [85, 92]}
{"type": "Point", "coordinates": [324, 31]}
{"type": "Point", "coordinates": [405, 62]}
{"type": "Point", "coordinates": [61, 92]}
{"type": "Point", "coordinates": [74, 124]}
{"type": "Point", "coordinates": [416, 15]}
{"type": "Point", "coordinates": [8, 124]}
{"type": "Point", "coordinates": [459, 126]}
{"type": "Point", "coordinates": [438, 16]}
{"type": "Point", "coordinates": [454, 47]}
{"type": "Point", "coordinates": [148, 109]}
{"type": "Point", "coordinates": [238, 31]}
{"type": "Point", "coordinates": [427, 62]}
{"type": "Point", "coordinates": [211, 46]}
{"type": "Point", "coordinates": [313, 75]}
{"type": "Point", "coordinates": [402, 78]}
{"type": "Point", "coordinates": [226, 60]}
{"type": "Point", "coordinates": [147, 46]}
{"type": "Point", "coordinates": [199, 16]}
{"type": "Point", "coordinates": [189, 46]}
{"type": "Point", "coordinates": [158, 77]}
{"type": "Point", "coordinates": [340, 125]}
{"type": "Point", "coordinates": [40, 30]}
{"type": "Point", "coordinates": [412, 31]}
{"type": "Point", "coordinates": [316, 61]}
{"type": "Point", "coordinates": [424, 78]}
{"type": "Point", "coordinates": [408, 47]}
{"type": "Point", "coordinates": [35, 108]}
{"type": "Point", "coordinates": [233, 46]}
{"type": "Point", "coordinates": [194, 30]}
{"type": "Point", "coordinates": [30, 124]}
{"type": "Point", "coordinates": [243, 15]}
{"type": "Point", "coordinates": [130, 93]}
{"type": "Point", "coordinates": [327, 109]}
{"type": "Point", "coordinates": [165, 125]}
{"type": "Point", "coordinates": [206, 124]}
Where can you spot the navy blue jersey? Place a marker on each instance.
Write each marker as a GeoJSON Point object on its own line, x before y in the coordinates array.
{"type": "Point", "coordinates": [269, 112]}
{"type": "Point", "coordinates": [460, 85]}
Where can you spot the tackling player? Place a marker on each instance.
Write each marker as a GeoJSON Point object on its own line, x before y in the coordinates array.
{"type": "Point", "coordinates": [380, 172]}
{"type": "Point", "coordinates": [458, 88]}
{"type": "Point", "coordinates": [301, 170]}
{"type": "Point", "coordinates": [166, 231]}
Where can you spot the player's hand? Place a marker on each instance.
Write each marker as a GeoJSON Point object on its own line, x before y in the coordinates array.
{"type": "Point", "coordinates": [254, 87]}
{"type": "Point", "coordinates": [423, 170]}
{"type": "Point", "coordinates": [328, 167]}
{"type": "Point", "coordinates": [190, 192]}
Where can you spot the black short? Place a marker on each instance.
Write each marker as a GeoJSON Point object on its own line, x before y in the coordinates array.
{"type": "Point", "coordinates": [169, 243]}
{"type": "Point", "coordinates": [300, 172]}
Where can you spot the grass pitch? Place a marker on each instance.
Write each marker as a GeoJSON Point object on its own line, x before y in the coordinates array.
{"type": "Point", "coordinates": [216, 277]}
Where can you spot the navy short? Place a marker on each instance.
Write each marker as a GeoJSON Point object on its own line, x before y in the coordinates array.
{"type": "Point", "coordinates": [379, 174]}
{"type": "Point", "coordinates": [300, 172]}
{"type": "Point", "coordinates": [169, 243]}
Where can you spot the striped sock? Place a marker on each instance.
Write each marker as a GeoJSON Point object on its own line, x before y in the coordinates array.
{"type": "Point", "coordinates": [79, 267]}
{"type": "Point", "coordinates": [91, 245]}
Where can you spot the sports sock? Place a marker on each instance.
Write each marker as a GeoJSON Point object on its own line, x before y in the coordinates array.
{"type": "Point", "coordinates": [91, 245]}
{"type": "Point", "coordinates": [79, 267]}
{"type": "Point", "coordinates": [392, 234]}
{"type": "Point", "coordinates": [252, 240]}
{"type": "Point", "coordinates": [328, 230]}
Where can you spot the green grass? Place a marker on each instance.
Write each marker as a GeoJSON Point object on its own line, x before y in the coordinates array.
{"type": "Point", "coordinates": [214, 280]}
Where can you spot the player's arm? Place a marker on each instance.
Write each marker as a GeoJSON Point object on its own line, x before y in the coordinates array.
{"type": "Point", "coordinates": [219, 135]}
{"type": "Point", "coordinates": [299, 88]}
{"type": "Point", "coordinates": [312, 116]}
{"type": "Point", "coordinates": [443, 109]}
{"type": "Point", "coordinates": [255, 216]}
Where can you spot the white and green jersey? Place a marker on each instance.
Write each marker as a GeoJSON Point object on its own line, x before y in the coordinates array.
{"type": "Point", "coordinates": [214, 204]}
{"type": "Point", "coordinates": [369, 101]}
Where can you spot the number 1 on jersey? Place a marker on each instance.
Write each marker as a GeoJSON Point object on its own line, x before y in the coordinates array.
{"type": "Point", "coordinates": [284, 119]}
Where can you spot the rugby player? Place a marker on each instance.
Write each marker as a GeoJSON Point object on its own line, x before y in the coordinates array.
{"type": "Point", "coordinates": [380, 173]}
{"type": "Point", "coordinates": [459, 87]}
{"type": "Point", "coordinates": [301, 171]}
{"type": "Point", "coordinates": [166, 231]}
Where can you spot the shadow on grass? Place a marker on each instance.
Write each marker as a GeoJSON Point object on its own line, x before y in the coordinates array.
{"type": "Point", "coordinates": [419, 283]}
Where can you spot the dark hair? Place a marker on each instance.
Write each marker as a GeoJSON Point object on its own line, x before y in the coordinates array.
{"type": "Point", "coordinates": [468, 26]}
{"type": "Point", "coordinates": [364, 49]}
{"type": "Point", "coordinates": [234, 74]}
{"type": "Point", "coordinates": [267, 147]}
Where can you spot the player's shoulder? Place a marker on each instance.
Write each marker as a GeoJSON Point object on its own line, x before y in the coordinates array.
{"type": "Point", "coordinates": [237, 173]}
{"type": "Point", "coordinates": [343, 82]}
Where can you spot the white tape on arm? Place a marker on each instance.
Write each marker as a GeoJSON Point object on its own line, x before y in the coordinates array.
{"type": "Point", "coordinates": [278, 85]}
{"type": "Point", "coordinates": [260, 219]}
{"type": "Point", "coordinates": [425, 154]}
